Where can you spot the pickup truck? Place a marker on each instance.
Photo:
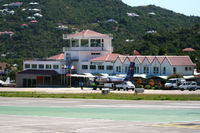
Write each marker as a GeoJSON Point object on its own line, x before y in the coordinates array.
{"type": "Point", "coordinates": [126, 86]}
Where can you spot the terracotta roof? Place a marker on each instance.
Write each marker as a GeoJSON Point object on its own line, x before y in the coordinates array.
{"type": "Point", "coordinates": [33, 21]}
{"type": "Point", "coordinates": [135, 52]}
{"type": "Point", "coordinates": [57, 57]}
{"type": "Point", "coordinates": [131, 58]}
{"type": "Point", "coordinates": [122, 58]}
{"type": "Point", "coordinates": [180, 60]}
{"type": "Point", "coordinates": [86, 34]}
{"type": "Point", "coordinates": [7, 32]}
{"type": "Point", "coordinates": [160, 59]}
{"type": "Point", "coordinates": [107, 58]}
{"type": "Point", "coordinates": [24, 25]}
{"type": "Point", "coordinates": [173, 60]}
{"type": "Point", "coordinates": [188, 49]}
{"type": "Point", "coordinates": [39, 72]}
{"type": "Point", "coordinates": [141, 58]}
{"type": "Point", "coordinates": [150, 58]}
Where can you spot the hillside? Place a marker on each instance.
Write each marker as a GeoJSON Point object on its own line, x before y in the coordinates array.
{"type": "Point", "coordinates": [41, 36]}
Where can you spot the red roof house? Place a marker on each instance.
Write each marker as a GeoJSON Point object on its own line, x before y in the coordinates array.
{"type": "Point", "coordinates": [135, 52]}
{"type": "Point", "coordinates": [188, 50]}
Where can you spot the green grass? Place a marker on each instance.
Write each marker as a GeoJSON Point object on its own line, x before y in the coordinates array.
{"type": "Point", "coordinates": [121, 96]}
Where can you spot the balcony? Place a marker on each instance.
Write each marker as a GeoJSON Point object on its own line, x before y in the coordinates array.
{"type": "Point", "coordinates": [84, 49]}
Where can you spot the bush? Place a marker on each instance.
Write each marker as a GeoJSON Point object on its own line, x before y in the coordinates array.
{"type": "Point", "coordinates": [139, 82]}
{"type": "Point", "coordinates": [147, 87]}
{"type": "Point", "coordinates": [141, 86]}
{"type": "Point", "coordinates": [151, 82]}
{"type": "Point", "coordinates": [175, 76]}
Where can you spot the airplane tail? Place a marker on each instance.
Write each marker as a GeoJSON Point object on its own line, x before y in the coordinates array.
{"type": "Point", "coordinates": [130, 73]}
{"type": "Point", "coordinates": [7, 80]}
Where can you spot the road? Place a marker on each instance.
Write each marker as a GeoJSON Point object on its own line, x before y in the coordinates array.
{"type": "Point", "coordinates": [89, 90]}
{"type": "Point", "coordinates": [31, 115]}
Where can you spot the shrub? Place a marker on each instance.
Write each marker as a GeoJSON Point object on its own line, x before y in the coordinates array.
{"type": "Point", "coordinates": [147, 87]}
{"type": "Point", "coordinates": [176, 75]}
{"type": "Point", "coordinates": [151, 82]}
{"type": "Point", "coordinates": [141, 86]}
{"type": "Point", "coordinates": [139, 82]}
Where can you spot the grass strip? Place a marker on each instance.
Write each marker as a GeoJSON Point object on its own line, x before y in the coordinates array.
{"type": "Point", "coordinates": [116, 96]}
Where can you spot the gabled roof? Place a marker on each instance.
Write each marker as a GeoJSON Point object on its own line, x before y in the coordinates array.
{"type": "Point", "coordinates": [57, 57]}
{"type": "Point", "coordinates": [86, 34]}
{"type": "Point", "coordinates": [173, 60]}
{"type": "Point", "coordinates": [150, 58]}
{"type": "Point", "coordinates": [131, 58]}
{"type": "Point", "coordinates": [122, 58]}
{"type": "Point", "coordinates": [107, 58]}
{"type": "Point", "coordinates": [39, 72]}
{"type": "Point", "coordinates": [141, 58]}
{"type": "Point", "coordinates": [160, 59]}
{"type": "Point", "coordinates": [180, 60]}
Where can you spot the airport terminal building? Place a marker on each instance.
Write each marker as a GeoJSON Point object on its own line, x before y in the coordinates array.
{"type": "Point", "coordinates": [91, 52]}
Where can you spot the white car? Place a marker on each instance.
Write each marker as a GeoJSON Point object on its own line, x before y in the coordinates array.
{"type": "Point", "coordinates": [126, 86]}
{"type": "Point", "coordinates": [191, 86]}
{"type": "Point", "coordinates": [184, 86]}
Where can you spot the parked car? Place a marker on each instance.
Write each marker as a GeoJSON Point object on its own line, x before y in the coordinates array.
{"type": "Point", "coordinates": [174, 83]}
{"type": "Point", "coordinates": [191, 86]}
{"type": "Point", "coordinates": [184, 86]}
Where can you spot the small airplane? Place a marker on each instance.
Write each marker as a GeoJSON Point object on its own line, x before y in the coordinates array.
{"type": "Point", "coordinates": [7, 83]}
{"type": "Point", "coordinates": [120, 78]}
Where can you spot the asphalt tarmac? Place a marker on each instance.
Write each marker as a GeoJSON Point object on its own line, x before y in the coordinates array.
{"type": "Point", "coordinates": [89, 90]}
{"type": "Point", "coordinates": [31, 115]}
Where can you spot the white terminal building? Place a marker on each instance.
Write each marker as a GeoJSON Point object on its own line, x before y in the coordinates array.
{"type": "Point", "coordinates": [91, 52]}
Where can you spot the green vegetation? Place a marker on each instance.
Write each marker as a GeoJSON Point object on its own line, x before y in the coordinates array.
{"type": "Point", "coordinates": [120, 96]}
{"type": "Point", "coordinates": [43, 39]}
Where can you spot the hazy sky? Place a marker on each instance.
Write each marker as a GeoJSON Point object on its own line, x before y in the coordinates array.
{"type": "Point", "coordinates": [187, 7]}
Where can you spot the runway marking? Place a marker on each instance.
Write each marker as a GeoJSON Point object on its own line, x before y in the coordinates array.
{"type": "Point", "coordinates": [191, 125]}
{"type": "Point", "coordinates": [124, 114]}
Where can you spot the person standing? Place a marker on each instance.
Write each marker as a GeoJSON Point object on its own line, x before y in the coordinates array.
{"type": "Point", "coordinates": [81, 84]}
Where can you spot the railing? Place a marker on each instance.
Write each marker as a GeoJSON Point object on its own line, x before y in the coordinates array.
{"type": "Point", "coordinates": [84, 49]}
{"type": "Point", "coordinates": [95, 37]}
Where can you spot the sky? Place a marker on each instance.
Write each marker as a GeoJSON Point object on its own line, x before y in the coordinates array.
{"type": "Point", "coordinates": [187, 7]}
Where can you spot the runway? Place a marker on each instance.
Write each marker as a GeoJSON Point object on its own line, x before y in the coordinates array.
{"type": "Point", "coordinates": [89, 116]}
{"type": "Point", "coordinates": [89, 90]}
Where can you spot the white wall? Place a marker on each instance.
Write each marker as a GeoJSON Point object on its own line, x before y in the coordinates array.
{"type": "Point", "coordinates": [137, 64]}
{"type": "Point", "coordinates": [181, 70]}
{"type": "Point", "coordinates": [155, 63]}
{"type": "Point", "coordinates": [145, 64]}
{"type": "Point", "coordinates": [126, 64]}
{"type": "Point", "coordinates": [60, 63]}
{"type": "Point", "coordinates": [117, 64]}
{"type": "Point", "coordinates": [169, 69]}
